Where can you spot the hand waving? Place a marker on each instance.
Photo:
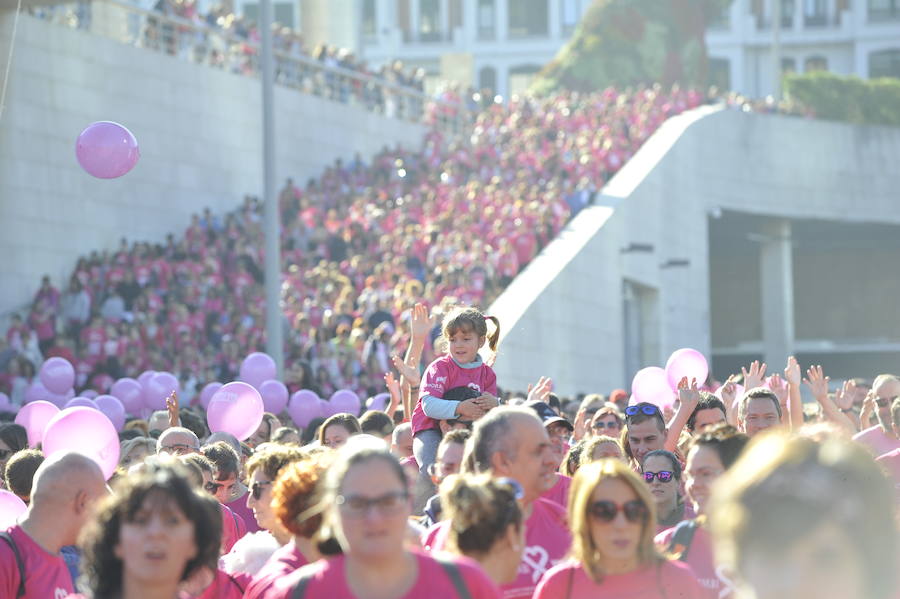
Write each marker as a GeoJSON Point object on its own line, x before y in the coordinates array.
{"type": "Point", "coordinates": [755, 376]}
{"type": "Point", "coordinates": [817, 382]}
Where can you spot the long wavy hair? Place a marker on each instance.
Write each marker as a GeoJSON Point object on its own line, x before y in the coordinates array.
{"type": "Point", "coordinates": [158, 481]}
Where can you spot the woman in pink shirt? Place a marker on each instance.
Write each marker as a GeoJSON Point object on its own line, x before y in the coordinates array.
{"type": "Point", "coordinates": [368, 500]}
{"type": "Point", "coordinates": [612, 516]}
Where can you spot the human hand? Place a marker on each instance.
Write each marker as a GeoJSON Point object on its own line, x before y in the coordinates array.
{"type": "Point", "coordinates": [868, 407]}
{"type": "Point", "coordinates": [755, 376]}
{"type": "Point", "coordinates": [541, 390]}
{"type": "Point", "coordinates": [410, 374]}
{"type": "Point", "coordinates": [487, 401]}
{"type": "Point", "coordinates": [817, 383]}
{"type": "Point", "coordinates": [469, 410]}
{"type": "Point", "coordinates": [392, 383]}
{"type": "Point", "coordinates": [728, 392]}
{"type": "Point", "coordinates": [779, 388]}
{"type": "Point", "coordinates": [688, 394]}
{"type": "Point", "coordinates": [843, 397]}
{"type": "Point", "coordinates": [420, 322]}
{"type": "Point", "coordinates": [172, 408]}
{"type": "Point", "coordinates": [792, 372]}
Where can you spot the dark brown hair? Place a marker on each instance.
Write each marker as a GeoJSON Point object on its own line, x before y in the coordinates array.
{"type": "Point", "coordinates": [348, 421]}
{"type": "Point", "coordinates": [480, 509]}
{"type": "Point", "coordinates": [464, 318]}
{"type": "Point", "coordinates": [225, 459]}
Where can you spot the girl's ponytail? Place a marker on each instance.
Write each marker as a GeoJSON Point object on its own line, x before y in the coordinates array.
{"type": "Point", "coordinates": [495, 336]}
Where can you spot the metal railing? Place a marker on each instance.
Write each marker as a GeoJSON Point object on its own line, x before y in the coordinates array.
{"type": "Point", "coordinates": [222, 49]}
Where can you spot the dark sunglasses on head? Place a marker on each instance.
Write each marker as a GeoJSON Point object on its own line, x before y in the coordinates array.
{"type": "Point", "coordinates": [662, 476]}
{"type": "Point", "coordinates": [606, 511]}
{"type": "Point", "coordinates": [645, 408]}
{"type": "Point", "coordinates": [257, 488]}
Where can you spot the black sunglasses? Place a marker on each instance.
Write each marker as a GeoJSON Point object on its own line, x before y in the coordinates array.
{"type": "Point", "coordinates": [606, 511]}
{"type": "Point", "coordinates": [884, 402]}
{"type": "Point", "coordinates": [257, 488]}
{"type": "Point", "coordinates": [662, 476]}
{"type": "Point", "coordinates": [645, 408]}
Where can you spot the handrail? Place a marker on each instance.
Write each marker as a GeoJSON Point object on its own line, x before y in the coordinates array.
{"type": "Point", "coordinates": [203, 44]}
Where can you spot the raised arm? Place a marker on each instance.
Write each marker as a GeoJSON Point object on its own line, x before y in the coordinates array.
{"type": "Point", "coordinates": [818, 384]}
{"type": "Point", "coordinates": [795, 400]}
{"type": "Point", "coordinates": [688, 398]}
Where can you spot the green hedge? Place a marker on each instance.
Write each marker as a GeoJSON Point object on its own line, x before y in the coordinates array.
{"type": "Point", "coordinates": [851, 99]}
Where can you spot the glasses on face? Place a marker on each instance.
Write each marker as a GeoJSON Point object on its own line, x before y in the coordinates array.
{"type": "Point", "coordinates": [606, 511]}
{"type": "Point", "coordinates": [518, 491]}
{"type": "Point", "coordinates": [662, 476]}
{"type": "Point", "coordinates": [257, 488]}
{"type": "Point", "coordinates": [357, 506]}
{"type": "Point", "coordinates": [884, 402]}
{"type": "Point", "coordinates": [179, 449]}
{"type": "Point", "coordinates": [644, 408]}
{"type": "Point", "coordinates": [213, 488]}
{"type": "Point", "coordinates": [599, 425]}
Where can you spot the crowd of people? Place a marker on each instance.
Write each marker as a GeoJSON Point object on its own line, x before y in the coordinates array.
{"type": "Point", "coordinates": [452, 223]}
{"type": "Point", "coordinates": [696, 496]}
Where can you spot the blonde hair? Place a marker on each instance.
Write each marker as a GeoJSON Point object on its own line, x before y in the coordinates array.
{"type": "Point", "coordinates": [584, 550]}
{"type": "Point", "coordinates": [480, 510]}
{"type": "Point", "coordinates": [783, 488]}
{"type": "Point", "coordinates": [587, 454]}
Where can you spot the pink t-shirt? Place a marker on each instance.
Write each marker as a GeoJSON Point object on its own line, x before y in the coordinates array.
{"type": "Point", "coordinates": [233, 528]}
{"type": "Point", "coordinates": [330, 580]}
{"type": "Point", "coordinates": [890, 463]}
{"type": "Point", "coordinates": [46, 575]}
{"type": "Point", "coordinates": [239, 507]}
{"type": "Point", "coordinates": [444, 374]}
{"type": "Point", "coordinates": [874, 440]}
{"type": "Point", "coordinates": [715, 582]}
{"type": "Point", "coordinates": [670, 579]}
{"type": "Point", "coordinates": [547, 540]}
{"type": "Point", "coordinates": [559, 493]}
{"type": "Point", "coordinates": [283, 562]}
{"type": "Point", "coordinates": [223, 586]}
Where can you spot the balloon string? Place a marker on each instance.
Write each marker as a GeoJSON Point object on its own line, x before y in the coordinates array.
{"type": "Point", "coordinates": [12, 43]}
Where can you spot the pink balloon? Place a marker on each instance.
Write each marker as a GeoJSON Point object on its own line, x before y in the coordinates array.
{"type": "Point", "coordinates": [304, 407]}
{"type": "Point", "coordinates": [207, 393]}
{"type": "Point", "coordinates": [113, 408]}
{"type": "Point", "coordinates": [257, 368]}
{"type": "Point", "coordinates": [130, 393]}
{"type": "Point", "coordinates": [274, 395]}
{"type": "Point", "coordinates": [58, 375]}
{"type": "Point", "coordinates": [379, 402]}
{"type": "Point", "coordinates": [86, 431]}
{"type": "Point", "coordinates": [159, 388]}
{"type": "Point", "coordinates": [5, 403]}
{"type": "Point", "coordinates": [652, 386]}
{"type": "Point", "coordinates": [34, 417]}
{"type": "Point", "coordinates": [688, 363]}
{"type": "Point", "coordinates": [80, 401]}
{"type": "Point", "coordinates": [107, 150]}
{"type": "Point", "coordinates": [236, 408]}
{"type": "Point", "coordinates": [89, 393]}
{"type": "Point", "coordinates": [345, 400]}
{"type": "Point", "coordinates": [11, 507]}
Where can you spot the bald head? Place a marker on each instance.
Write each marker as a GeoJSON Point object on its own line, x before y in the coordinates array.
{"type": "Point", "coordinates": [62, 475]}
{"type": "Point", "coordinates": [177, 441]}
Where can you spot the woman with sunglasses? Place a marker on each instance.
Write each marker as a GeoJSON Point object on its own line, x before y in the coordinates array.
{"type": "Point", "coordinates": [367, 502]}
{"type": "Point", "coordinates": [662, 473]}
{"type": "Point", "coordinates": [612, 517]}
{"type": "Point", "coordinates": [607, 421]}
{"type": "Point", "coordinates": [486, 522]}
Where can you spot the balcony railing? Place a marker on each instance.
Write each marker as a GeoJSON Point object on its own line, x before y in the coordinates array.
{"type": "Point", "coordinates": [220, 49]}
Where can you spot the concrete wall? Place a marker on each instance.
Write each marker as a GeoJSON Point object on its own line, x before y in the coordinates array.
{"type": "Point", "coordinates": [199, 130]}
{"type": "Point", "coordinates": [563, 317]}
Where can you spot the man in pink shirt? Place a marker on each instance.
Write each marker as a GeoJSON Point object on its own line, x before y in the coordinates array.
{"type": "Point", "coordinates": [883, 437]}
{"type": "Point", "coordinates": [63, 493]}
{"type": "Point", "coordinates": [511, 442]}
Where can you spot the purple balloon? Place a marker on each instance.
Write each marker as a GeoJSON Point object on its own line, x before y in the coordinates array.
{"type": "Point", "coordinates": [379, 402]}
{"type": "Point", "coordinates": [36, 391]}
{"type": "Point", "coordinates": [257, 368]}
{"type": "Point", "coordinates": [304, 407]}
{"type": "Point", "coordinates": [86, 431]}
{"type": "Point", "coordinates": [5, 403]}
{"type": "Point", "coordinates": [34, 417]}
{"type": "Point", "coordinates": [80, 401]}
{"type": "Point", "coordinates": [274, 395]}
{"type": "Point", "coordinates": [207, 393]}
{"type": "Point", "coordinates": [686, 362]}
{"type": "Point", "coordinates": [107, 150]}
{"type": "Point", "coordinates": [326, 408]}
{"type": "Point", "coordinates": [11, 507]}
{"type": "Point", "coordinates": [57, 375]}
{"type": "Point", "coordinates": [144, 378]}
{"type": "Point", "coordinates": [130, 393]}
{"type": "Point", "coordinates": [652, 386]}
{"type": "Point", "coordinates": [113, 408]}
{"type": "Point", "coordinates": [89, 393]}
{"type": "Point", "coordinates": [236, 408]}
{"type": "Point", "coordinates": [159, 388]}
{"type": "Point", "coordinates": [345, 400]}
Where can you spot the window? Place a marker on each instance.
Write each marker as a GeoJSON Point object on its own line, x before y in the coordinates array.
{"type": "Point", "coordinates": [528, 18]}
{"type": "Point", "coordinates": [815, 13]}
{"type": "Point", "coordinates": [884, 10]}
{"type": "Point", "coordinates": [485, 19]}
{"type": "Point", "coordinates": [885, 63]}
{"type": "Point", "coordinates": [720, 73]}
{"type": "Point", "coordinates": [815, 63]}
{"type": "Point", "coordinates": [788, 66]}
{"type": "Point", "coordinates": [487, 79]}
{"type": "Point", "coordinates": [722, 20]}
{"type": "Point", "coordinates": [430, 29]}
{"type": "Point", "coordinates": [282, 12]}
{"type": "Point", "coordinates": [369, 24]}
{"type": "Point", "coordinates": [571, 14]}
{"type": "Point", "coordinates": [520, 78]}
{"type": "Point", "coordinates": [787, 14]}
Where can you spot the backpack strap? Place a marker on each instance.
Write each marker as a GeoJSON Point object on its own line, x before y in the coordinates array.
{"type": "Point", "coordinates": [19, 563]}
{"type": "Point", "coordinates": [456, 578]}
{"type": "Point", "coordinates": [680, 543]}
{"type": "Point", "coordinates": [299, 590]}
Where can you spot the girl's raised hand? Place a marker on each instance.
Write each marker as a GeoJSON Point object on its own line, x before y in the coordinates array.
{"type": "Point", "coordinates": [410, 374]}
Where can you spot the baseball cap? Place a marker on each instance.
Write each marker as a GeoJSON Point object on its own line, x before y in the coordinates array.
{"type": "Point", "coordinates": [547, 415]}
